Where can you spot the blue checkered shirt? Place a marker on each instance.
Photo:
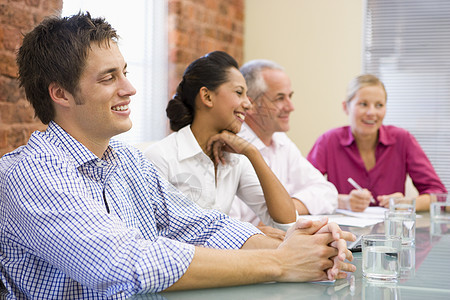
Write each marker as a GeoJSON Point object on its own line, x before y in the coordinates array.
{"type": "Point", "coordinates": [75, 226]}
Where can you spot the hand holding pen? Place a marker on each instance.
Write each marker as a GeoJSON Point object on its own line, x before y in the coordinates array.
{"type": "Point", "coordinates": [359, 199]}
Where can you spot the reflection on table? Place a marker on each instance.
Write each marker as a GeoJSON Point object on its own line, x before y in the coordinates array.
{"type": "Point", "coordinates": [424, 275]}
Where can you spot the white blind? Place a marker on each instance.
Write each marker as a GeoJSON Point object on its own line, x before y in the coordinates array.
{"type": "Point", "coordinates": [407, 44]}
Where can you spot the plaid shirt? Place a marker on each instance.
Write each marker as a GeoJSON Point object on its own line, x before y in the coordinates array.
{"type": "Point", "coordinates": [76, 226]}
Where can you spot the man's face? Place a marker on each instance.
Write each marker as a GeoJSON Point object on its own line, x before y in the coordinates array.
{"type": "Point", "coordinates": [271, 110]}
{"type": "Point", "coordinates": [103, 95]}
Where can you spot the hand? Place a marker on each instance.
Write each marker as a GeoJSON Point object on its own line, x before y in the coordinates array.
{"type": "Point", "coordinates": [384, 199]}
{"type": "Point", "coordinates": [305, 257]}
{"type": "Point", "coordinates": [303, 226]}
{"type": "Point", "coordinates": [359, 199]}
{"type": "Point", "coordinates": [340, 238]}
{"type": "Point", "coordinates": [272, 232]}
{"type": "Point", "coordinates": [226, 141]}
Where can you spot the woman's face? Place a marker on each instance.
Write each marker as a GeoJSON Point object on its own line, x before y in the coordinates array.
{"type": "Point", "coordinates": [230, 103]}
{"type": "Point", "coordinates": [366, 110]}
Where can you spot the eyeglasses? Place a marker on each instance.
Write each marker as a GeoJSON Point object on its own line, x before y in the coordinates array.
{"type": "Point", "coordinates": [279, 99]}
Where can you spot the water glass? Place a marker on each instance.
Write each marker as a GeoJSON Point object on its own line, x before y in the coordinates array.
{"type": "Point", "coordinates": [401, 224]}
{"type": "Point", "coordinates": [440, 212]}
{"type": "Point", "coordinates": [380, 257]}
{"type": "Point", "coordinates": [376, 290]}
{"type": "Point", "coordinates": [439, 228]}
{"type": "Point", "coordinates": [407, 262]}
{"type": "Point", "coordinates": [440, 218]}
{"type": "Point", "coordinates": [402, 204]}
{"type": "Point", "coordinates": [439, 197]}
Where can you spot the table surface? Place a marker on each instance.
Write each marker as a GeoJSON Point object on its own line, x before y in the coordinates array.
{"type": "Point", "coordinates": [430, 276]}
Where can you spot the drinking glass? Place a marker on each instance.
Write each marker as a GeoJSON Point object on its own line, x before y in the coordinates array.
{"type": "Point", "coordinates": [440, 218]}
{"type": "Point", "coordinates": [380, 257]}
{"type": "Point", "coordinates": [407, 262]}
{"type": "Point", "coordinates": [402, 204]}
{"type": "Point", "coordinates": [401, 224]}
{"type": "Point", "coordinates": [440, 212]}
{"type": "Point", "coordinates": [437, 197]}
{"type": "Point", "coordinates": [376, 290]}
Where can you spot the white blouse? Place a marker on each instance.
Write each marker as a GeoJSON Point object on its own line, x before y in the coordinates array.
{"type": "Point", "coordinates": [300, 178]}
{"type": "Point", "coordinates": [181, 160]}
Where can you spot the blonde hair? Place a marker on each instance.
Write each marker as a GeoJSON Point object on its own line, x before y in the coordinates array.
{"type": "Point", "coordinates": [360, 82]}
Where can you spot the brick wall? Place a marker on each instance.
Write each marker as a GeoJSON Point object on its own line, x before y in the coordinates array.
{"type": "Point", "coordinates": [17, 119]}
{"type": "Point", "coordinates": [197, 27]}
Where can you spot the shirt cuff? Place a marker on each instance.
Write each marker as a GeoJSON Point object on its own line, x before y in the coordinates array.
{"type": "Point", "coordinates": [286, 226]}
{"type": "Point", "coordinates": [232, 235]}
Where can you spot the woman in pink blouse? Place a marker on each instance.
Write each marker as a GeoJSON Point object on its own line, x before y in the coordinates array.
{"type": "Point", "coordinates": [378, 157]}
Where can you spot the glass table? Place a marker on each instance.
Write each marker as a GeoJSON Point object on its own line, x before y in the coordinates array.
{"type": "Point", "coordinates": [425, 275]}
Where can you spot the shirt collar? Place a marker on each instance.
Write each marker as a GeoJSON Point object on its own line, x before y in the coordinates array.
{"type": "Point", "coordinates": [278, 138]}
{"type": "Point", "coordinates": [76, 150]}
{"type": "Point", "coordinates": [187, 144]}
{"type": "Point", "coordinates": [383, 138]}
{"type": "Point", "coordinates": [188, 147]}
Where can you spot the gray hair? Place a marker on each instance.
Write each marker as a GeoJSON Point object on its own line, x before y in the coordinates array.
{"type": "Point", "coordinates": [252, 73]}
{"type": "Point", "coordinates": [360, 82]}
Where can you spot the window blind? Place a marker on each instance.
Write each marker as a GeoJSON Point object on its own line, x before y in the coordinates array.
{"type": "Point", "coordinates": [406, 43]}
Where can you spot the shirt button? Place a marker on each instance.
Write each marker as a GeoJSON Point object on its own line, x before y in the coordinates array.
{"type": "Point", "coordinates": [99, 163]}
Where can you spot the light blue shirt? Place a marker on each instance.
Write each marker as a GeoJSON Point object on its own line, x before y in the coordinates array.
{"type": "Point", "coordinates": [75, 226]}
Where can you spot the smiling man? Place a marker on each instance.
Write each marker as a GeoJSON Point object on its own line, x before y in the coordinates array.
{"type": "Point", "coordinates": [84, 216]}
{"type": "Point", "coordinates": [266, 124]}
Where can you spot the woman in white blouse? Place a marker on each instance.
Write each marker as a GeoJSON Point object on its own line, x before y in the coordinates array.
{"type": "Point", "coordinates": [204, 157]}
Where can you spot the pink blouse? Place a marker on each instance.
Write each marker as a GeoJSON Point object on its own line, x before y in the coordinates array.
{"type": "Point", "coordinates": [397, 154]}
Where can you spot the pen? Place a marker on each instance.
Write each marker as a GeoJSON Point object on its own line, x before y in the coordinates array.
{"type": "Point", "coordinates": [358, 187]}
{"type": "Point", "coordinates": [354, 247]}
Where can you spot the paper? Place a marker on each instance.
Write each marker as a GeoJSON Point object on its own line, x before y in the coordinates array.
{"type": "Point", "coordinates": [344, 220]}
{"type": "Point", "coordinates": [371, 212]}
{"type": "Point", "coordinates": [357, 222]}
{"type": "Point", "coordinates": [324, 282]}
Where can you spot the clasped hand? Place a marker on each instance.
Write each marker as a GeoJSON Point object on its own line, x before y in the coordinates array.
{"type": "Point", "coordinates": [317, 251]}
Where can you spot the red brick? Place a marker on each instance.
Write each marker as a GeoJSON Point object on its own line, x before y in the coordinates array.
{"type": "Point", "coordinates": [6, 113]}
{"type": "Point", "coordinates": [52, 6]}
{"type": "Point", "coordinates": [8, 65]}
{"type": "Point", "coordinates": [223, 8]}
{"type": "Point", "coordinates": [12, 38]}
{"type": "Point", "coordinates": [34, 3]}
{"type": "Point", "coordinates": [4, 130]}
{"type": "Point", "coordinates": [17, 120]}
{"type": "Point", "coordinates": [2, 38]}
{"type": "Point", "coordinates": [211, 5]}
{"type": "Point", "coordinates": [19, 135]}
{"type": "Point", "coordinates": [174, 7]}
{"type": "Point", "coordinates": [16, 16]}
{"type": "Point", "coordinates": [9, 89]}
{"type": "Point", "coordinates": [24, 113]}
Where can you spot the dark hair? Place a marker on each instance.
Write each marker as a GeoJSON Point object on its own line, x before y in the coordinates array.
{"type": "Point", "coordinates": [208, 71]}
{"type": "Point", "coordinates": [56, 51]}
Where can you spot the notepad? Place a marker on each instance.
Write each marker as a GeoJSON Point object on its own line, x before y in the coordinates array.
{"type": "Point", "coordinates": [371, 212]}
{"type": "Point", "coordinates": [345, 220]}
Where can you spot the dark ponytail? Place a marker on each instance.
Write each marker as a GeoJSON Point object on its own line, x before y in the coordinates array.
{"type": "Point", "coordinates": [208, 71]}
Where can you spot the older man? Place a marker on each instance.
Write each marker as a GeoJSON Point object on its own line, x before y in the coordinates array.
{"type": "Point", "coordinates": [269, 90]}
